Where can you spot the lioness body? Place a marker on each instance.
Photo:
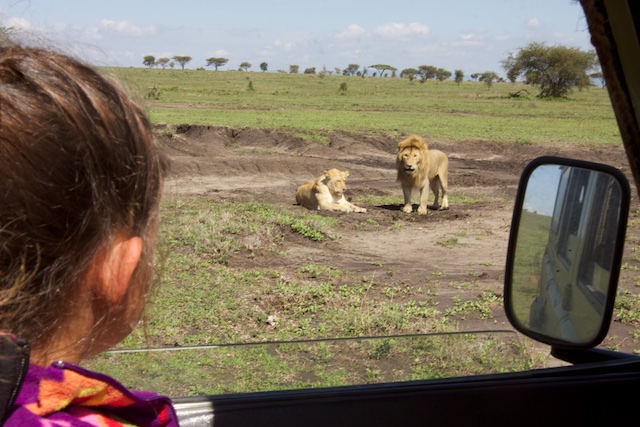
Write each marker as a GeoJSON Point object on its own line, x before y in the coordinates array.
{"type": "Point", "coordinates": [418, 166]}
{"type": "Point", "coordinates": [327, 193]}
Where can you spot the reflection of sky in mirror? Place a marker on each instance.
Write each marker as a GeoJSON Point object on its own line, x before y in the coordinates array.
{"type": "Point", "coordinates": [542, 189]}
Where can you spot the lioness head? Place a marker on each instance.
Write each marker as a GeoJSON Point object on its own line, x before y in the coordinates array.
{"type": "Point", "coordinates": [412, 157]}
{"type": "Point", "coordinates": [336, 181]}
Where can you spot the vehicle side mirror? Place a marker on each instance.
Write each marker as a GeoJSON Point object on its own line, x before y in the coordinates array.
{"type": "Point", "coordinates": [565, 249]}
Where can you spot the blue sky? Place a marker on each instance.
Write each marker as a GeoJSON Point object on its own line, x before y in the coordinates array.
{"type": "Point", "coordinates": [470, 35]}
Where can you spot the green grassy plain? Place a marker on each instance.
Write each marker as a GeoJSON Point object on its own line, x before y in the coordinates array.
{"type": "Point", "coordinates": [204, 313]}
{"type": "Point", "coordinates": [201, 301]}
{"type": "Point", "coordinates": [310, 103]}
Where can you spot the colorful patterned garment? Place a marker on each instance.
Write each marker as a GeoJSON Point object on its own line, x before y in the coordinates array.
{"type": "Point", "coordinates": [67, 395]}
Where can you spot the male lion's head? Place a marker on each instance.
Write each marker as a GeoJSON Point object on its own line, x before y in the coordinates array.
{"type": "Point", "coordinates": [336, 181]}
{"type": "Point", "coordinates": [412, 161]}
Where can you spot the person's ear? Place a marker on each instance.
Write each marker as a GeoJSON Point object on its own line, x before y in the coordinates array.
{"type": "Point", "coordinates": [117, 268]}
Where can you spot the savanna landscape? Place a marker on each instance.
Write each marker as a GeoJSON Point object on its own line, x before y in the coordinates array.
{"type": "Point", "coordinates": [241, 262]}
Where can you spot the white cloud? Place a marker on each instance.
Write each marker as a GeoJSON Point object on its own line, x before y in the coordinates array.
{"type": "Point", "coordinates": [398, 30]}
{"type": "Point", "coordinates": [267, 52]}
{"type": "Point", "coordinates": [127, 28]}
{"type": "Point", "coordinates": [469, 39]}
{"type": "Point", "coordinates": [286, 46]}
{"type": "Point", "coordinates": [352, 31]}
{"type": "Point", "coordinates": [220, 53]}
{"type": "Point", "coordinates": [91, 33]}
{"type": "Point", "coordinates": [533, 23]}
{"type": "Point", "coordinates": [350, 54]}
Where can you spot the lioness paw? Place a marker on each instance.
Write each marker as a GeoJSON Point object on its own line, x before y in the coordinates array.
{"type": "Point", "coordinates": [407, 208]}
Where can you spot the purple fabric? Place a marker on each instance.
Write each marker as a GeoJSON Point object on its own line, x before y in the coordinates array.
{"type": "Point", "coordinates": [78, 394]}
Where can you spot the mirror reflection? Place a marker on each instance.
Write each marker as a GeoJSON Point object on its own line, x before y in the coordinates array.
{"type": "Point", "coordinates": [565, 251]}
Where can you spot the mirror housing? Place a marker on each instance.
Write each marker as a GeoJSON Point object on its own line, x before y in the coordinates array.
{"type": "Point", "coordinates": [565, 250]}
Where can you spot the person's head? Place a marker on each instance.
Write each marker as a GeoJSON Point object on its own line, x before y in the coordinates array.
{"type": "Point", "coordinates": [80, 184]}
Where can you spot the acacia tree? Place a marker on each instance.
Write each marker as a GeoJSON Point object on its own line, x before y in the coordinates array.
{"type": "Point", "coordinates": [216, 62]}
{"type": "Point", "coordinates": [555, 69]}
{"type": "Point", "coordinates": [409, 73]}
{"type": "Point", "coordinates": [163, 62]}
{"type": "Point", "coordinates": [351, 70]}
{"type": "Point", "coordinates": [293, 69]}
{"type": "Point", "coordinates": [459, 76]}
{"type": "Point", "coordinates": [245, 66]}
{"type": "Point", "coordinates": [382, 68]}
{"type": "Point", "coordinates": [182, 60]}
{"type": "Point", "coordinates": [427, 72]}
{"type": "Point", "coordinates": [442, 74]}
{"type": "Point", "coordinates": [488, 77]}
{"type": "Point", "coordinates": [598, 76]}
{"type": "Point", "coordinates": [264, 66]}
{"type": "Point", "coordinates": [149, 61]}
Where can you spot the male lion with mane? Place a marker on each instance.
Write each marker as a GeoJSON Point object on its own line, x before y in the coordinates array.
{"type": "Point", "coordinates": [417, 165]}
{"type": "Point", "coordinates": [327, 193]}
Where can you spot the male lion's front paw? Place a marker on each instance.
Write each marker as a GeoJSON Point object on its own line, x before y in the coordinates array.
{"type": "Point", "coordinates": [422, 210]}
{"type": "Point", "coordinates": [361, 210]}
{"type": "Point", "coordinates": [407, 208]}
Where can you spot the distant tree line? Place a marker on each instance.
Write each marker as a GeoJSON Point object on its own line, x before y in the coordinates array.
{"type": "Point", "coordinates": [150, 61]}
{"type": "Point", "coordinates": [555, 70]}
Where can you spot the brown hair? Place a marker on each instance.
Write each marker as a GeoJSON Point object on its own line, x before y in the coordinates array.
{"type": "Point", "coordinates": [78, 162]}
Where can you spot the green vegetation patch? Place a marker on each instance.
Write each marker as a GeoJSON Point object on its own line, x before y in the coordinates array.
{"type": "Point", "coordinates": [214, 231]}
{"type": "Point", "coordinates": [208, 319]}
{"type": "Point", "coordinates": [312, 105]}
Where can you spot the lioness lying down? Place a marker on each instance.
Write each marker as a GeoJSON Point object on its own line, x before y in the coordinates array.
{"type": "Point", "coordinates": [327, 193]}
{"type": "Point", "coordinates": [417, 165]}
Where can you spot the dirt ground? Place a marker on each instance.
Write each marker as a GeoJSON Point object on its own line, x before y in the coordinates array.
{"type": "Point", "coordinates": [246, 163]}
